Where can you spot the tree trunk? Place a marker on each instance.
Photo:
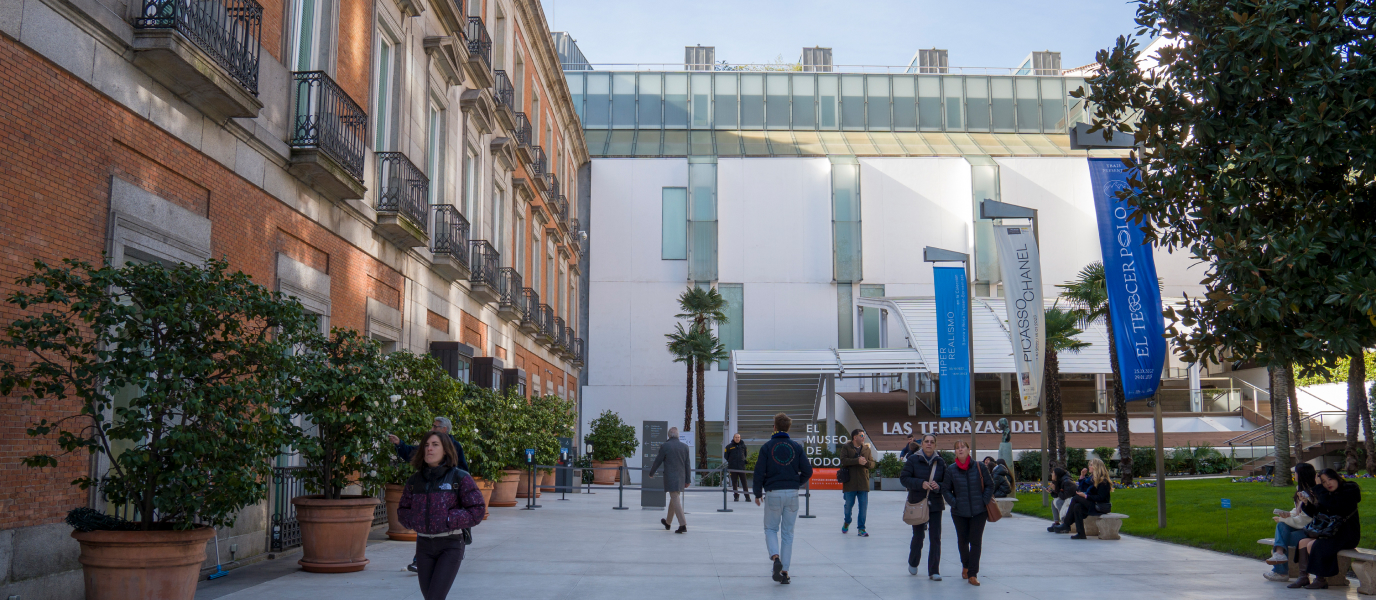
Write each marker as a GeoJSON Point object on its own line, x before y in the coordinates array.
{"type": "Point", "coordinates": [1296, 430]}
{"type": "Point", "coordinates": [1370, 442]}
{"type": "Point", "coordinates": [1356, 376]}
{"type": "Point", "coordinates": [1279, 431]}
{"type": "Point", "coordinates": [1120, 408]}
{"type": "Point", "coordinates": [688, 400]}
{"type": "Point", "coordinates": [702, 423]}
{"type": "Point", "coordinates": [1055, 413]}
{"type": "Point", "coordinates": [1049, 406]}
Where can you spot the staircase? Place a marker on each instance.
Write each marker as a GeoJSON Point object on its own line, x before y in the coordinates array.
{"type": "Point", "coordinates": [1321, 433]}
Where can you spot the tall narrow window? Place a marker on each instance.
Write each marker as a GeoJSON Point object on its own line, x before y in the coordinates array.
{"type": "Point", "coordinates": [904, 103]}
{"type": "Point", "coordinates": [804, 102]}
{"type": "Point", "coordinates": [929, 103]}
{"type": "Point", "coordinates": [676, 101]}
{"type": "Point", "coordinates": [828, 98]}
{"type": "Point", "coordinates": [702, 218]}
{"type": "Point", "coordinates": [435, 156]}
{"type": "Point", "coordinates": [534, 117]}
{"type": "Point", "coordinates": [871, 320]}
{"type": "Point", "coordinates": [954, 90]}
{"type": "Point", "coordinates": [596, 111]}
{"type": "Point", "coordinates": [1002, 104]}
{"type": "Point", "coordinates": [845, 219]}
{"type": "Point", "coordinates": [702, 101]}
{"type": "Point", "coordinates": [776, 101]}
{"type": "Point", "coordinates": [520, 243]}
{"type": "Point", "coordinates": [623, 100]}
{"type": "Point", "coordinates": [977, 103]}
{"type": "Point", "coordinates": [651, 101]}
{"type": "Point", "coordinates": [563, 303]}
{"type": "Point", "coordinates": [386, 74]}
{"type": "Point", "coordinates": [752, 101]}
{"type": "Point", "coordinates": [549, 268]}
{"type": "Point", "coordinates": [845, 314]}
{"type": "Point", "coordinates": [499, 39]}
{"type": "Point", "coordinates": [877, 101]}
{"type": "Point", "coordinates": [470, 187]}
{"type": "Point", "coordinates": [498, 219]}
{"type": "Point", "coordinates": [306, 51]}
{"type": "Point", "coordinates": [732, 332]}
{"type": "Point", "coordinates": [536, 259]}
{"type": "Point", "coordinates": [674, 228]}
{"type": "Point", "coordinates": [724, 109]}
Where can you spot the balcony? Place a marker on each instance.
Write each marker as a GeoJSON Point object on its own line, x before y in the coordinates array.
{"type": "Point", "coordinates": [568, 343]}
{"type": "Point", "coordinates": [530, 312]}
{"type": "Point", "coordinates": [449, 246]}
{"type": "Point", "coordinates": [559, 345]}
{"type": "Point", "coordinates": [575, 240]}
{"type": "Point", "coordinates": [506, 99]}
{"type": "Point", "coordinates": [327, 140]}
{"type": "Point", "coordinates": [559, 210]}
{"type": "Point", "coordinates": [204, 52]}
{"type": "Point", "coordinates": [545, 317]}
{"type": "Point", "coordinates": [579, 353]}
{"type": "Point", "coordinates": [509, 294]}
{"type": "Point", "coordinates": [479, 65]}
{"type": "Point", "coordinates": [520, 133]}
{"type": "Point", "coordinates": [484, 265]}
{"type": "Point", "coordinates": [401, 201]}
{"type": "Point", "coordinates": [552, 184]}
{"type": "Point", "coordinates": [537, 168]}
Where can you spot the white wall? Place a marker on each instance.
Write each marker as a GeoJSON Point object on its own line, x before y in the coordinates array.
{"type": "Point", "coordinates": [906, 204]}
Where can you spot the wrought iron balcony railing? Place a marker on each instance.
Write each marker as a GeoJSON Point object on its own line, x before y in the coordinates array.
{"type": "Point", "coordinates": [451, 233]}
{"type": "Point", "coordinates": [227, 30]}
{"type": "Point", "coordinates": [404, 188]}
{"type": "Point", "coordinates": [479, 44]}
{"type": "Point", "coordinates": [522, 129]}
{"type": "Point", "coordinates": [553, 182]}
{"type": "Point", "coordinates": [509, 286]}
{"type": "Point", "coordinates": [483, 262]}
{"type": "Point", "coordinates": [530, 305]}
{"type": "Point", "coordinates": [578, 351]}
{"type": "Point", "coordinates": [560, 207]}
{"type": "Point", "coordinates": [545, 318]}
{"type": "Point", "coordinates": [568, 339]}
{"type": "Point", "coordinates": [502, 90]}
{"type": "Point", "coordinates": [328, 119]}
{"type": "Point", "coordinates": [537, 161]}
{"type": "Point", "coordinates": [558, 332]}
{"type": "Point", "coordinates": [573, 227]}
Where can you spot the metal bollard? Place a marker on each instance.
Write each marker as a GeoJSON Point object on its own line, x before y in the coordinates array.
{"type": "Point", "coordinates": [725, 474]}
{"type": "Point", "coordinates": [620, 490]}
{"type": "Point", "coordinates": [807, 502]}
{"type": "Point", "coordinates": [563, 490]}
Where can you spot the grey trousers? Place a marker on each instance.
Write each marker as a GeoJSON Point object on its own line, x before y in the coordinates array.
{"type": "Point", "coordinates": [676, 508]}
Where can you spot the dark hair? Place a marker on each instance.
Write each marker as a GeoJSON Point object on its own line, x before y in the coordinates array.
{"type": "Point", "coordinates": [782, 422]}
{"type": "Point", "coordinates": [1332, 474]}
{"type": "Point", "coordinates": [1001, 462]}
{"type": "Point", "coordinates": [1057, 473]}
{"type": "Point", "coordinates": [1305, 479]}
{"type": "Point", "coordinates": [451, 457]}
{"type": "Point", "coordinates": [856, 431]}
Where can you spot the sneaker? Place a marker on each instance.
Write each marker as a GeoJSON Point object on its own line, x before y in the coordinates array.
{"type": "Point", "coordinates": [912, 570]}
{"type": "Point", "coordinates": [412, 567]}
{"type": "Point", "coordinates": [784, 579]}
{"type": "Point", "coordinates": [863, 533]}
{"type": "Point", "coordinates": [1053, 527]}
{"type": "Point", "coordinates": [778, 570]}
{"type": "Point", "coordinates": [845, 528]}
{"type": "Point", "coordinates": [1274, 576]}
{"type": "Point", "coordinates": [935, 576]}
{"type": "Point", "coordinates": [1278, 558]}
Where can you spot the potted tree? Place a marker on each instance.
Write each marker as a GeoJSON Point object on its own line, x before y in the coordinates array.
{"type": "Point", "coordinates": [496, 421]}
{"type": "Point", "coordinates": [548, 418]}
{"type": "Point", "coordinates": [343, 400]}
{"type": "Point", "coordinates": [612, 441]}
{"type": "Point", "coordinates": [422, 391]}
{"type": "Point", "coordinates": [173, 376]}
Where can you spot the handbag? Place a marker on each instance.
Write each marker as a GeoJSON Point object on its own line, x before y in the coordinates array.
{"type": "Point", "coordinates": [1325, 526]}
{"type": "Point", "coordinates": [992, 507]}
{"type": "Point", "coordinates": [918, 513]}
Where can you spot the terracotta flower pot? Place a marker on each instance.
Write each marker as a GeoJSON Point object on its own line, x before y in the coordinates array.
{"type": "Point", "coordinates": [606, 472]}
{"type": "Point", "coordinates": [118, 565]}
{"type": "Point", "coordinates": [547, 482]}
{"type": "Point", "coordinates": [395, 530]}
{"type": "Point", "coordinates": [523, 487]}
{"type": "Point", "coordinates": [334, 533]}
{"type": "Point", "coordinates": [504, 493]}
{"type": "Point", "coordinates": [485, 488]}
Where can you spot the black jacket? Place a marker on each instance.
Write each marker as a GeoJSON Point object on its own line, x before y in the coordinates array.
{"type": "Point", "coordinates": [404, 452]}
{"type": "Point", "coordinates": [1003, 484]}
{"type": "Point", "coordinates": [1101, 494]}
{"type": "Point", "coordinates": [1066, 488]}
{"type": "Point", "coordinates": [736, 453]}
{"type": "Point", "coordinates": [1340, 503]}
{"type": "Point", "coordinates": [961, 489]}
{"type": "Point", "coordinates": [782, 465]}
{"type": "Point", "coordinates": [915, 473]}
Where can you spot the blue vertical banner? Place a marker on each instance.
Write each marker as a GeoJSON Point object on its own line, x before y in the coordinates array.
{"type": "Point", "coordinates": [953, 341]}
{"type": "Point", "coordinates": [1134, 298]}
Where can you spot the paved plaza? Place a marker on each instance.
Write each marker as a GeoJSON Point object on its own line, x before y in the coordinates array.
{"type": "Point", "coordinates": [581, 549]}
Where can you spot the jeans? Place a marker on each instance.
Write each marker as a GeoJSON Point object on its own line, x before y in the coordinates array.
{"type": "Point", "coordinates": [437, 561]}
{"type": "Point", "coordinates": [864, 498]}
{"type": "Point", "coordinates": [1286, 536]}
{"type": "Point", "coordinates": [932, 527]}
{"type": "Point", "coordinates": [780, 513]}
{"type": "Point", "coordinates": [970, 539]}
{"type": "Point", "coordinates": [676, 509]}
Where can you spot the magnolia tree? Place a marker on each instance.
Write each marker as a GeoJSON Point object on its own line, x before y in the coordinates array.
{"type": "Point", "coordinates": [176, 373]}
{"type": "Point", "coordinates": [1258, 156]}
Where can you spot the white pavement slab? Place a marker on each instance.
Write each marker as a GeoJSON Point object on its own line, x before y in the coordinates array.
{"type": "Point", "coordinates": [581, 549]}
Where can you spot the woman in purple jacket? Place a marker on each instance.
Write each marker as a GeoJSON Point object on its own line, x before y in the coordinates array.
{"type": "Point", "coordinates": [439, 502]}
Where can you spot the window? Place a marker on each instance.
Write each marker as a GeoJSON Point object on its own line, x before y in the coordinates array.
{"type": "Point", "coordinates": [804, 111]}
{"type": "Point", "coordinates": [534, 117]}
{"type": "Point", "coordinates": [877, 95]}
{"type": "Point", "coordinates": [676, 101]}
{"type": "Point", "coordinates": [732, 332]}
{"type": "Point", "coordinates": [702, 101]}
{"type": "Point", "coordinates": [845, 315]}
{"type": "Point", "coordinates": [752, 101]}
{"type": "Point", "coordinates": [853, 102]}
{"type": "Point", "coordinates": [724, 112]}
{"type": "Point", "coordinates": [702, 218]}
{"type": "Point", "coordinates": [827, 99]}
{"type": "Point", "coordinates": [535, 258]}
{"type": "Point", "coordinates": [549, 268]}
{"type": "Point", "coordinates": [563, 300]}
{"type": "Point", "coordinates": [386, 91]}
{"type": "Point", "coordinates": [435, 154]}
{"type": "Point", "coordinates": [845, 217]}
{"type": "Point", "coordinates": [498, 219]}
{"type": "Point", "coordinates": [871, 333]}
{"type": "Point", "coordinates": [776, 101]}
{"type": "Point", "coordinates": [310, 32]}
{"type": "Point", "coordinates": [470, 183]}
{"type": "Point", "coordinates": [674, 226]}
{"type": "Point", "coordinates": [623, 101]}
{"type": "Point", "coordinates": [953, 89]}
{"type": "Point", "coordinates": [650, 101]}
{"type": "Point", "coordinates": [519, 243]}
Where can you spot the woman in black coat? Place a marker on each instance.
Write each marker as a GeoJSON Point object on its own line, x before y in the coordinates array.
{"type": "Point", "coordinates": [922, 476]}
{"type": "Point", "coordinates": [1063, 488]}
{"type": "Point", "coordinates": [967, 488]}
{"type": "Point", "coordinates": [1096, 501]}
{"type": "Point", "coordinates": [1319, 556]}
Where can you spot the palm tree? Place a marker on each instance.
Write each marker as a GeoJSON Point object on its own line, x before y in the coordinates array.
{"type": "Point", "coordinates": [1088, 295]}
{"type": "Point", "coordinates": [706, 349]}
{"type": "Point", "coordinates": [681, 346]}
{"type": "Point", "coordinates": [703, 305]}
{"type": "Point", "coordinates": [1060, 335]}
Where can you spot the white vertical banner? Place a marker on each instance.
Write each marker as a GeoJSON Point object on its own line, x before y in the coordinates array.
{"type": "Point", "coordinates": [1022, 293]}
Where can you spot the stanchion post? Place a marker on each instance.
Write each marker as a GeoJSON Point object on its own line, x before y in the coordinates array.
{"type": "Point", "coordinates": [563, 490]}
{"type": "Point", "coordinates": [620, 489]}
{"type": "Point", "coordinates": [725, 473]}
{"type": "Point", "coordinates": [534, 485]}
{"type": "Point", "coordinates": [807, 502]}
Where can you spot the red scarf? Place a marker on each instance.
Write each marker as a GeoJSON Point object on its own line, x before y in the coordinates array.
{"type": "Point", "coordinates": [964, 465]}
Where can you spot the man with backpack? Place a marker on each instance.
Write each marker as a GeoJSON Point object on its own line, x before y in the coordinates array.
{"type": "Point", "coordinates": [780, 470]}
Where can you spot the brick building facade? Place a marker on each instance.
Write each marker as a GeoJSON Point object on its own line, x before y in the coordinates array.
{"type": "Point", "coordinates": [404, 168]}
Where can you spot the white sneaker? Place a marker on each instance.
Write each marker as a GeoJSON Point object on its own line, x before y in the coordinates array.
{"type": "Point", "coordinates": [912, 570]}
{"type": "Point", "coordinates": [936, 576]}
{"type": "Point", "coordinates": [1278, 558]}
{"type": "Point", "coordinates": [1274, 576]}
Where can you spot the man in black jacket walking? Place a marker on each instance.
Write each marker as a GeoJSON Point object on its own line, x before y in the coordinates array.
{"type": "Point", "coordinates": [921, 476]}
{"type": "Point", "coordinates": [736, 453]}
{"type": "Point", "coordinates": [780, 470]}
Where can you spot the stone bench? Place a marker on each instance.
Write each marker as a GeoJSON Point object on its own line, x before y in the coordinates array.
{"type": "Point", "coordinates": [1006, 506]}
{"type": "Point", "coordinates": [1344, 563]}
{"type": "Point", "coordinates": [1105, 526]}
{"type": "Point", "coordinates": [1362, 562]}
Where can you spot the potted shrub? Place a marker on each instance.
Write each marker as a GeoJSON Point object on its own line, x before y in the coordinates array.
{"type": "Point", "coordinates": [495, 421]}
{"type": "Point", "coordinates": [889, 469]}
{"type": "Point", "coordinates": [612, 441]}
{"type": "Point", "coordinates": [343, 398]}
{"type": "Point", "coordinates": [423, 390]}
{"type": "Point", "coordinates": [176, 373]}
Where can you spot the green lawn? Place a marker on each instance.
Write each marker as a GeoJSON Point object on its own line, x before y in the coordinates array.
{"type": "Point", "coordinates": [1194, 515]}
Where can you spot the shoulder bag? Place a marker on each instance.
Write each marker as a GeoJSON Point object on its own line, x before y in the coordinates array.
{"type": "Point", "coordinates": [992, 508]}
{"type": "Point", "coordinates": [843, 473]}
{"type": "Point", "coordinates": [1325, 526]}
{"type": "Point", "coordinates": [918, 513]}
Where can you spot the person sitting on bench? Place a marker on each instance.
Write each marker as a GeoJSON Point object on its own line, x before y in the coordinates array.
{"type": "Point", "coordinates": [1318, 556]}
{"type": "Point", "coordinates": [1290, 525]}
{"type": "Point", "coordinates": [1063, 488]}
{"type": "Point", "coordinates": [1092, 503]}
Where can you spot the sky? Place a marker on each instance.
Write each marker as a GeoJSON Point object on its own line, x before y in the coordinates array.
{"type": "Point", "coordinates": [977, 33]}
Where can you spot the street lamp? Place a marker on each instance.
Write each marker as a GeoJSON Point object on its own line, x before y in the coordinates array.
{"type": "Point", "coordinates": [933, 254]}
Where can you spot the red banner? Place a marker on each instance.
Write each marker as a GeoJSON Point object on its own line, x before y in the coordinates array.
{"type": "Point", "coordinates": [824, 479]}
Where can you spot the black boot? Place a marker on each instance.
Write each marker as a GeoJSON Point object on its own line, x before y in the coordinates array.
{"type": "Point", "coordinates": [737, 498]}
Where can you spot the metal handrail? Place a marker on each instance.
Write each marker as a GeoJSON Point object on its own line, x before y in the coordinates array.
{"type": "Point", "coordinates": [227, 30]}
{"type": "Point", "coordinates": [451, 233]}
{"type": "Point", "coordinates": [552, 181]}
{"type": "Point", "coordinates": [502, 89]}
{"type": "Point", "coordinates": [405, 188]}
{"type": "Point", "coordinates": [484, 262]}
{"type": "Point", "coordinates": [328, 119]}
{"type": "Point", "coordinates": [508, 286]}
{"type": "Point", "coordinates": [521, 132]}
{"type": "Point", "coordinates": [479, 43]}
{"type": "Point", "coordinates": [1269, 428]}
{"type": "Point", "coordinates": [579, 350]}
